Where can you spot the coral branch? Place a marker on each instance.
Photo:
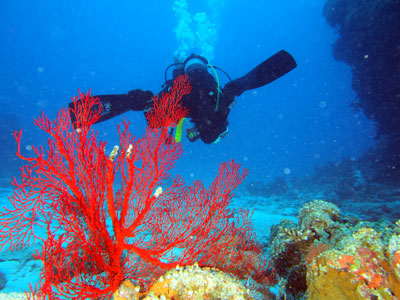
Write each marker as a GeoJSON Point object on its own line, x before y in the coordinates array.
{"type": "Point", "coordinates": [98, 235]}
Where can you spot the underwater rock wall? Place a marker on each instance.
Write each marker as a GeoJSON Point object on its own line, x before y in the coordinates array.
{"type": "Point", "coordinates": [369, 42]}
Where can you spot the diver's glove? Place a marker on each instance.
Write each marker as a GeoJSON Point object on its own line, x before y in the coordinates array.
{"type": "Point", "coordinates": [114, 105]}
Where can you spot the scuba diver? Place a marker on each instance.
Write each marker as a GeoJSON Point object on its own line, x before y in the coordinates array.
{"type": "Point", "coordinates": [208, 104]}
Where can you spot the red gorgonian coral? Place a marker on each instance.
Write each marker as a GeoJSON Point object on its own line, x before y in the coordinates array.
{"type": "Point", "coordinates": [107, 218]}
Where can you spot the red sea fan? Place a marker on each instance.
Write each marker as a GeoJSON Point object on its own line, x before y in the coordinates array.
{"type": "Point", "coordinates": [167, 109]}
{"type": "Point", "coordinates": [100, 233]}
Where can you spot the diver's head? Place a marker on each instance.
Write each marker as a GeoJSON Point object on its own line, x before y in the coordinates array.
{"type": "Point", "coordinates": [195, 62]}
{"type": "Point", "coordinates": [195, 65]}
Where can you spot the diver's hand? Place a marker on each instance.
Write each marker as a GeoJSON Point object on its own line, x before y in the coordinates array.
{"type": "Point", "coordinates": [140, 100]}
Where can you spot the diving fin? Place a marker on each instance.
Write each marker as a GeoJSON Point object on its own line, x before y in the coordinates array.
{"type": "Point", "coordinates": [272, 68]}
{"type": "Point", "coordinates": [114, 105]}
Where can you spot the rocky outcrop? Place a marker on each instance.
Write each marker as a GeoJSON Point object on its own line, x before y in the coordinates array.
{"type": "Point", "coordinates": [369, 42]}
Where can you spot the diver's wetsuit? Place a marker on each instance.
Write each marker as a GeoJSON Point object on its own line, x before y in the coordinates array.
{"type": "Point", "coordinates": [209, 119]}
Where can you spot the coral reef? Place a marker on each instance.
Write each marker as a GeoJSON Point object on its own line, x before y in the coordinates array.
{"type": "Point", "coordinates": [288, 248]}
{"type": "Point", "coordinates": [320, 217]}
{"type": "Point", "coordinates": [190, 282]}
{"type": "Point", "coordinates": [357, 268]}
{"type": "Point", "coordinates": [357, 185]}
{"type": "Point", "coordinates": [332, 256]}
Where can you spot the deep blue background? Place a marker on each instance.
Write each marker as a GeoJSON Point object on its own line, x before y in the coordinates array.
{"type": "Point", "coordinates": [51, 48]}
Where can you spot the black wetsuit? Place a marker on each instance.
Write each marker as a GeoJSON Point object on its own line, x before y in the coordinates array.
{"type": "Point", "coordinates": [209, 119]}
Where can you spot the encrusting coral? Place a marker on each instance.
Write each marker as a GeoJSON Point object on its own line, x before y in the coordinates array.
{"type": "Point", "coordinates": [187, 283]}
{"type": "Point", "coordinates": [329, 256]}
{"type": "Point", "coordinates": [320, 216]}
{"type": "Point", "coordinates": [357, 268]}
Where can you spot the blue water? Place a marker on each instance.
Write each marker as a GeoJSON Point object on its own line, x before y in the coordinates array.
{"type": "Point", "coordinates": [50, 49]}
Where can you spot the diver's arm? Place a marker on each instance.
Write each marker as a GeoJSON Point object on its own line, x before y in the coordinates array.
{"type": "Point", "coordinates": [272, 68]}
{"type": "Point", "coordinates": [114, 105]}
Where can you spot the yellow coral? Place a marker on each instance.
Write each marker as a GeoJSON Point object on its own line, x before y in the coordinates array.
{"type": "Point", "coordinates": [192, 283]}
{"type": "Point", "coordinates": [127, 291]}
{"type": "Point", "coordinates": [356, 269]}
{"type": "Point", "coordinates": [332, 284]}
